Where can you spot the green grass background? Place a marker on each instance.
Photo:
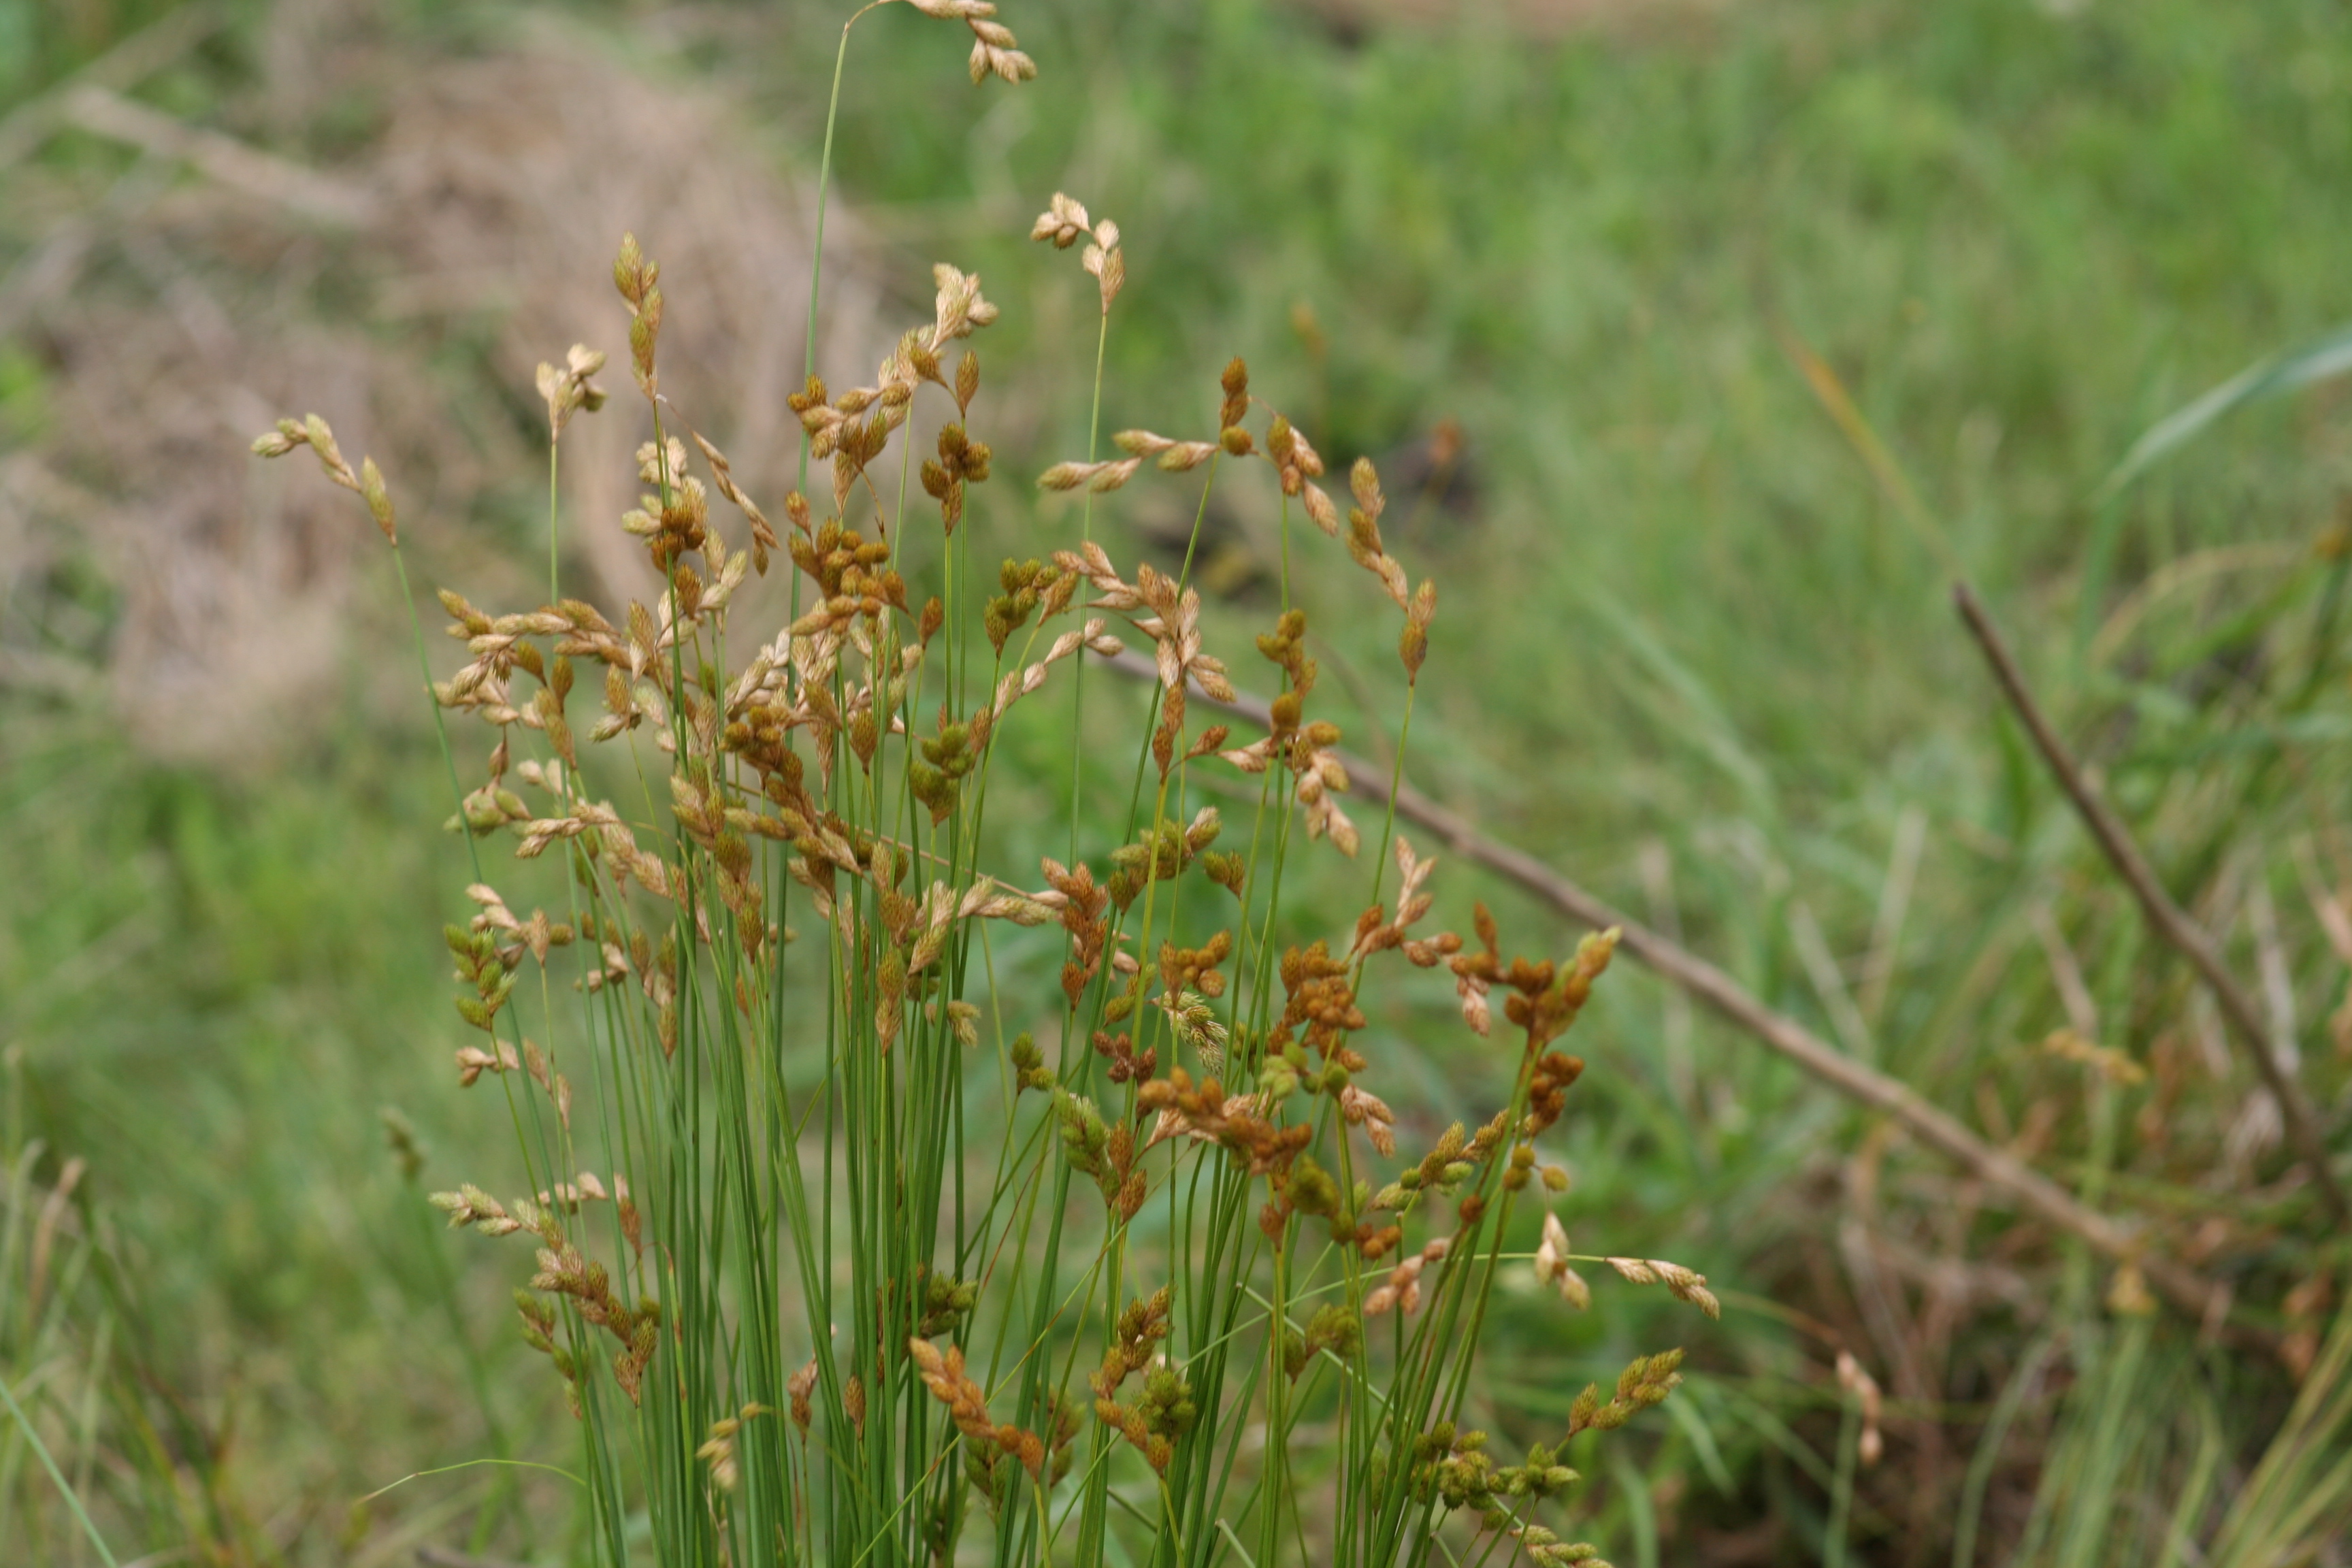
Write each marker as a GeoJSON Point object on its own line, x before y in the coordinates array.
{"type": "Point", "coordinates": [1681, 616]}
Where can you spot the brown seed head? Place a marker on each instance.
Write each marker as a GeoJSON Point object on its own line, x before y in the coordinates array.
{"type": "Point", "coordinates": [1062, 222]}
{"type": "Point", "coordinates": [1235, 381]}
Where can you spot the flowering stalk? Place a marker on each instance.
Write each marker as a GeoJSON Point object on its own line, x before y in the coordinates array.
{"type": "Point", "coordinates": [831, 1265]}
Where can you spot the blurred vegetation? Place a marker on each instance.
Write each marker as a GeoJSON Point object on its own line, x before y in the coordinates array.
{"type": "Point", "coordinates": [1689, 649]}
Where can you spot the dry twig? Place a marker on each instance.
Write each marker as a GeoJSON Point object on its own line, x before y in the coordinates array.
{"type": "Point", "coordinates": [224, 159]}
{"type": "Point", "coordinates": [2168, 919]}
{"type": "Point", "coordinates": [122, 67]}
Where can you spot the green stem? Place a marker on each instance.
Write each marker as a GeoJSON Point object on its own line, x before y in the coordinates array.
{"type": "Point", "coordinates": [440, 720]}
{"type": "Point", "coordinates": [1833, 1540]}
{"type": "Point", "coordinates": [816, 254]}
{"type": "Point", "coordinates": [1085, 535]}
{"type": "Point", "coordinates": [41, 1449]}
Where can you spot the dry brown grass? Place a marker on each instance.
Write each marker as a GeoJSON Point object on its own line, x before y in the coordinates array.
{"type": "Point", "coordinates": [180, 303]}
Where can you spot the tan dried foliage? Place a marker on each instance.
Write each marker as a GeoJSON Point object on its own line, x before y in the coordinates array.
{"type": "Point", "coordinates": [172, 305]}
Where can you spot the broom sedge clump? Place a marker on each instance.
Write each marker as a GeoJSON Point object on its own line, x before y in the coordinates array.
{"type": "Point", "coordinates": [1125, 1268]}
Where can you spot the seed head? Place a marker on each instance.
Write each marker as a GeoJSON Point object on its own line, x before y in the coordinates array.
{"type": "Point", "coordinates": [1062, 222]}
{"type": "Point", "coordinates": [1235, 381]}
{"type": "Point", "coordinates": [992, 47]}
{"type": "Point", "coordinates": [1106, 261]}
{"type": "Point", "coordinates": [568, 390]}
{"type": "Point", "coordinates": [312, 432]}
{"type": "Point", "coordinates": [1863, 1388]}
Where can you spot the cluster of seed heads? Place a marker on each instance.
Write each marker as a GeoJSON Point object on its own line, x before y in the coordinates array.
{"type": "Point", "coordinates": [1186, 1066]}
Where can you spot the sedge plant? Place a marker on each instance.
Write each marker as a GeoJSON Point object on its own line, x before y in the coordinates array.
{"type": "Point", "coordinates": [857, 1236]}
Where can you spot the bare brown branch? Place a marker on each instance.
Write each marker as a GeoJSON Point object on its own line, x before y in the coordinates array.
{"type": "Point", "coordinates": [226, 159]}
{"type": "Point", "coordinates": [2168, 919]}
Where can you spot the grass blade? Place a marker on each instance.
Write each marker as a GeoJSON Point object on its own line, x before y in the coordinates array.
{"type": "Point", "coordinates": [2327, 355]}
{"type": "Point", "coordinates": [25, 1425]}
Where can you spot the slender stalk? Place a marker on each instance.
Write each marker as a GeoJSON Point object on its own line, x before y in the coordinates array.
{"type": "Point", "coordinates": [824, 189]}
{"type": "Point", "coordinates": [1085, 535]}
{"type": "Point", "coordinates": [1834, 1541]}
{"type": "Point", "coordinates": [41, 1451]}
{"type": "Point", "coordinates": [440, 720]}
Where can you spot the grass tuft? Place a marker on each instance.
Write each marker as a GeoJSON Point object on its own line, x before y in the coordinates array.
{"type": "Point", "coordinates": [823, 1248]}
